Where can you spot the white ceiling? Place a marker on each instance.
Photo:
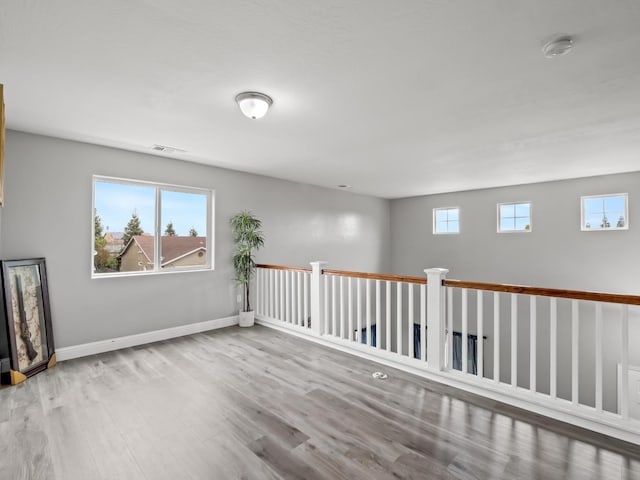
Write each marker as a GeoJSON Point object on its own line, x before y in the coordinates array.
{"type": "Point", "coordinates": [396, 98]}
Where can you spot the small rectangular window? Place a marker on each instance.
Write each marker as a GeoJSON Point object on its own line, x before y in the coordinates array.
{"type": "Point", "coordinates": [514, 217]}
{"type": "Point", "coordinates": [605, 212]}
{"type": "Point", "coordinates": [446, 220]}
{"type": "Point", "coordinates": [146, 227]}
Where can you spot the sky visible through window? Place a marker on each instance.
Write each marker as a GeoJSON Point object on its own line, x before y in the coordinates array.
{"type": "Point", "coordinates": [446, 220]}
{"type": "Point", "coordinates": [116, 202]}
{"type": "Point", "coordinates": [515, 217]}
{"type": "Point", "coordinates": [604, 212]}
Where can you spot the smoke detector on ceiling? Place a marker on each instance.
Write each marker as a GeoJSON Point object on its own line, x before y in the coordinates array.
{"type": "Point", "coordinates": [165, 149]}
{"type": "Point", "coordinates": [558, 46]}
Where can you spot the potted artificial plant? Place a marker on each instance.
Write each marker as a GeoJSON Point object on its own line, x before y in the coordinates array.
{"type": "Point", "coordinates": [247, 237]}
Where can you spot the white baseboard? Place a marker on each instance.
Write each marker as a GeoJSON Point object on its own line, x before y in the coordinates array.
{"type": "Point", "coordinates": [86, 349]}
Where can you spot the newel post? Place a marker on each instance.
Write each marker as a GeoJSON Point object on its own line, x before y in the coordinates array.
{"type": "Point", "coordinates": [435, 317]}
{"type": "Point", "coordinates": [317, 285]}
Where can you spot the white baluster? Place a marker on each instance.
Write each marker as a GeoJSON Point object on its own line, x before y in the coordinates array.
{"type": "Point", "coordinates": [496, 337]}
{"type": "Point", "coordinates": [282, 315]}
{"type": "Point", "coordinates": [533, 332]}
{"type": "Point", "coordinates": [399, 318]}
{"type": "Point", "coordinates": [449, 327]}
{"type": "Point", "coordinates": [306, 300]}
{"type": "Point", "coordinates": [368, 310]}
{"type": "Point", "coordinates": [378, 314]}
{"type": "Point", "coordinates": [350, 287]}
{"type": "Point", "coordinates": [342, 305]}
{"type": "Point", "coordinates": [359, 309]}
{"type": "Point", "coordinates": [270, 293]}
{"type": "Point", "coordinates": [514, 340]}
{"type": "Point", "coordinates": [575, 331]}
{"type": "Point", "coordinates": [276, 294]}
{"type": "Point", "coordinates": [258, 292]}
{"type": "Point", "coordinates": [598, 346]}
{"type": "Point", "coordinates": [334, 306]}
{"type": "Point", "coordinates": [410, 321]}
{"type": "Point", "coordinates": [465, 326]}
{"type": "Point", "coordinates": [553, 348]}
{"type": "Point", "coordinates": [423, 323]}
{"type": "Point", "coordinates": [287, 295]}
{"type": "Point", "coordinates": [294, 298]}
{"type": "Point", "coordinates": [624, 363]}
{"type": "Point", "coordinates": [326, 323]}
{"type": "Point", "coordinates": [263, 293]}
{"type": "Point", "coordinates": [387, 291]}
{"type": "Point", "coordinates": [301, 299]}
{"type": "Point", "coordinates": [480, 337]}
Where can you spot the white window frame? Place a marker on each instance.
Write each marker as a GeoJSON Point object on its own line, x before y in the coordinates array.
{"type": "Point", "coordinates": [603, 196]}
{"type": "Point", "coordinates": [499, 218]}
{"type": "Point", "coordinates": [159, 187]}
{"type": "Point", "coordinates": [435, 210]}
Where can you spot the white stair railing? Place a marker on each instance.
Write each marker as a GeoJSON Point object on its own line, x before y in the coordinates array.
{"type": "Point", "coordinates": [555, 352]}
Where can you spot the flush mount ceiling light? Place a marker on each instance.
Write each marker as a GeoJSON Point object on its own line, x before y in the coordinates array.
{"type": "Point", "coordinates": [253, 105]}
{"type": "Point", "coordinates": [558, 46]}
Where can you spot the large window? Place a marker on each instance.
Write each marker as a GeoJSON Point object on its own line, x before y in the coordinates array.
{"type": "Point", "coordinates": [146, 227]}
{"type": "Point", "coordinates": [605, 212]}
{"type": "Point", "coordinates": [514, 217]}
{"type": "Point", "coordinates": [446, 220]}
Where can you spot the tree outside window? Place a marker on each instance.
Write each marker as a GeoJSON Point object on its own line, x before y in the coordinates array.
{"type": "Point", "coordinates": [127, 232]}
{"type": "Point", "coordinates": [604, 212]}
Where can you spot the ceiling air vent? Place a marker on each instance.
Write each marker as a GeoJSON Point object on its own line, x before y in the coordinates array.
{"type": "Point", "coordinates": [165, 149]}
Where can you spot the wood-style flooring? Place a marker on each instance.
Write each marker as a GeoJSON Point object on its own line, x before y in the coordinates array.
{"type": "Point", "coordinates": [261, 404]}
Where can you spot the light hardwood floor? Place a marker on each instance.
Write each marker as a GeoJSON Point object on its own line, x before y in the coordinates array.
{"type": "Point", "coordinates": [260, 404]}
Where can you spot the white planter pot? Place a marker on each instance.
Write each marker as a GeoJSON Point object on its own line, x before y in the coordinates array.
{"type": "Point", "coordinates": [246, 319]}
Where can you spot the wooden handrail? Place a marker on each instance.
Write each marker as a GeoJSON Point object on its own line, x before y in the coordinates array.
{"type": "Point", "coordinates": [376, 276]}
{"type": "Point", "coordinates": [491, 287]}
{"type": "Point", "coordinates": [545, 292]}
{"type": "Point", "coordinates": [283, 267]}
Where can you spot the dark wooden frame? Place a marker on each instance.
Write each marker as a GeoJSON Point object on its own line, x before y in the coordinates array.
{"type": "Point", "coordinates": [10, 365]}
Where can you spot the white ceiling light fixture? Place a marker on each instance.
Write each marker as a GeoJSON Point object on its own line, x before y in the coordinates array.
{"type": "Point", "coordinates": [254, 105]}
{"type": "Point", "coordinates": [558, 46]}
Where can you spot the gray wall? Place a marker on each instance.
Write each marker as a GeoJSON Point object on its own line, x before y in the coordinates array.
{"type": "Point", "coordinates": [555, 254]}
{"type": "Point", "coordinates": [48, 213]}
